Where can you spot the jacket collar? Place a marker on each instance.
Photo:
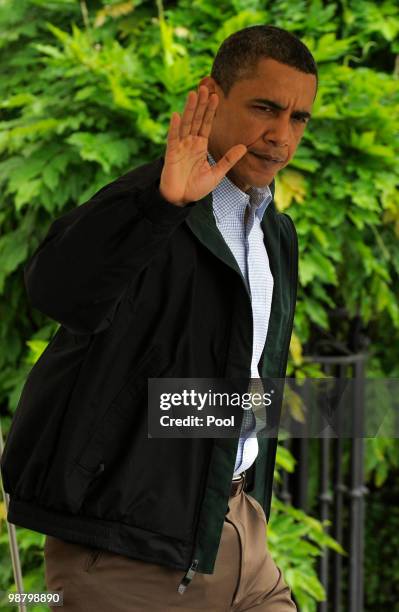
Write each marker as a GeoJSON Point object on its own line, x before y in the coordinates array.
{"type": "Point", "coordinates": [202, 223]}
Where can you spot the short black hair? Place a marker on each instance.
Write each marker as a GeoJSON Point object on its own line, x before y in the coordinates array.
{"type": "Point", "coordinates": [239, 54]}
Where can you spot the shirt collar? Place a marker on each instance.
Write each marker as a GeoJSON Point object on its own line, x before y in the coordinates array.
{"type": "Point", "coordinates": [227, 197]}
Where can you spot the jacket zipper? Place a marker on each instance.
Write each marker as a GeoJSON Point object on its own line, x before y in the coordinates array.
{"type": "Point", "coordinates": [188, 576]}
{"type": "Point", "coordinates": [190, 573]}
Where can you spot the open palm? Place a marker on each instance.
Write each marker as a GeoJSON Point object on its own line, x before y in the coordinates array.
{"type": "Point", "coordinates": [186, 175]}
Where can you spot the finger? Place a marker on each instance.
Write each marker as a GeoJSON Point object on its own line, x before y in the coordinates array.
{"type": "Point", "coordinates": [233, 155]}
{"type": "Point", "coordinates": [202, 103]}
{"type": "Point", "coordinates": [206, 126]}
{"type": "Point", "coordinates": [188, 113]}
{"type": "Point", "coordinates": [173, 138]}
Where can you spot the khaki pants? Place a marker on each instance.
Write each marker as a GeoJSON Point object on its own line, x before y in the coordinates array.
{"type": "Point", "coordinates": [245, 576]}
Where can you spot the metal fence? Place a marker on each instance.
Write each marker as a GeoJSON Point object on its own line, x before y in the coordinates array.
{"type": "Point", "coordinates": [340, 493]}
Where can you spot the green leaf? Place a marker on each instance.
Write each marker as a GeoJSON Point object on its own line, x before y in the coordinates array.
{"type": "Point", "coordinates": [108, 149]}
{"type": "Point", "coordinates": [13, 251]}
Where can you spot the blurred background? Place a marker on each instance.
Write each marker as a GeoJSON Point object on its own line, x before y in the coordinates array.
{"type": "Point", "coordinates": [86, 94]}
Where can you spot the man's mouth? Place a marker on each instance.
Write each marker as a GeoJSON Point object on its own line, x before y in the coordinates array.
{"type": "Point", "coordinates": [267, 158]}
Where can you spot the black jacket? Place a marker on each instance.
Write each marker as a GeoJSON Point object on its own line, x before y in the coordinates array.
{"type": "Point", "coordinates": [142, 289]}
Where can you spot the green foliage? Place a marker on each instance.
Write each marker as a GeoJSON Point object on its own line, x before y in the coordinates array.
{"type": "Point", "coordinates": [295, 540]}
{"type": "Point", "coordinates": [381, 561]}
{"type": "Point", "coordinates": [381, 457]}
{"type": "Point", "coordinates": [86, 95]}
{"type": "Point", "coordinates": [30, 544]}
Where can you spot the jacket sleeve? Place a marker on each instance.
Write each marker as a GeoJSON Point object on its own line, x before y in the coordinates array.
{"type": "Point", "coordinates": [78, 274]}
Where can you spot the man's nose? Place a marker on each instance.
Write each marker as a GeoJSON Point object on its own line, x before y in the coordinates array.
{"type": "Point", "coordinates": [278, 133]}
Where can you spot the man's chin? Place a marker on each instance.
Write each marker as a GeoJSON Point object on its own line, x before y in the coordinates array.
{"type": "Point", "coordinates": [258, 174]}
{"type": "Point", "coordinates": [260, 179]}
{"type": "Point", "coordinates": [245, 180]}
{"type": "Point", "coordinates": [267, 180]}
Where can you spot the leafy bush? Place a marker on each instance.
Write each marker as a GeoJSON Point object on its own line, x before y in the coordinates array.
{"type": "Point", "coordinates": [295, 540]}
{"type": "Point", "coordinates": [86, 95]}
{"type": "Point", "coordinates": [381, 543]}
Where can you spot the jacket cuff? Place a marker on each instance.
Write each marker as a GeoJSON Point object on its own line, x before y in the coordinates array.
{"type": "Point", "coordinates": [157, 209]}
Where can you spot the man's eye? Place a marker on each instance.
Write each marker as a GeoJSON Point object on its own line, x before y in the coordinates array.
{"type": "Point", "coordinates": [301, 119]}
{"type": "Point", "coordinates": [265, 108]}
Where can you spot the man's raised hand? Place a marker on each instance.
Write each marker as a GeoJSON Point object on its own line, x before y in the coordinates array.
{"type": "Point", "coordinates": [186, 175]}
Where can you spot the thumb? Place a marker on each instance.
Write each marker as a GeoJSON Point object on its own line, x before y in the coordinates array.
{"type": "Point", "coordinates": [228, 160]}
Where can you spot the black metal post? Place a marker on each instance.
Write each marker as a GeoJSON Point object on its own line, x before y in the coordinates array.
{"type": "Point", "coordinates": [340, 489]}
{"type": "Point", "coordinates": [356, 494]}
{"type": "Point", "coordinates": [356, 363]}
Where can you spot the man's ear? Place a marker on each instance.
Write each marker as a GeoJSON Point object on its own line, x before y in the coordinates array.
{"type": "Point", "coordinates": [210, 83]}
{"type": "Point", "coordinates": [213, 87]}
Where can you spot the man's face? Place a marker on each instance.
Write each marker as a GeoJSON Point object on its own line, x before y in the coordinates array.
{"type": "Point", "coordinates": [268, 113]}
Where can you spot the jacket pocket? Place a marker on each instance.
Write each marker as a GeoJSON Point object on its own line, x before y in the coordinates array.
{"type": "Point", "coordinates": [91, 462]}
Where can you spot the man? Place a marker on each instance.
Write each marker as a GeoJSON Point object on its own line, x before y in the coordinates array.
{"type": "Point", "coordinates": [180, 268]}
